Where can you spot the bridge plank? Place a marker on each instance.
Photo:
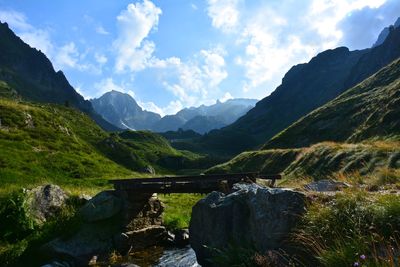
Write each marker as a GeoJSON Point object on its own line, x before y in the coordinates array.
{"type": "Point", "coordinates": [187, 184]}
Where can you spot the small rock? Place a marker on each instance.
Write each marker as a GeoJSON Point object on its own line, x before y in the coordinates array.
{"type": "Point", "coordinates": [181, 237]}
{"type": "Point", "coordinates": [326, 185]}
{"type": "Point", "coordinates": [149, 169]}
{"type": "Point", "coordinates": [147, 237]}
{"type": "Point", "coordinates": [45, 201]}
{"type": "Point", "coordinates": [102, 206]}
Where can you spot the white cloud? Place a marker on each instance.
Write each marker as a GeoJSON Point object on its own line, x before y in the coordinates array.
{"type": "Point", "coordinates": [226, 97]}
{"type": "Point", "coordinates": [172, 108]}
{"type": "Point", "coordinates": [193, 6]}
{"type": "Point", "coordinates": [16, 19]}
{"type": "Point", "coordinates": [107, 85]}
{"type": "Point", "coordinates": [100, 30]}
{"type": "Point", "coordinates": [67, 56]}
{"type": "Point", "coordinates": [224, 14]}
{"type": "Point", "coordinates": [100, 58]}
{"type": "Point", "coordinates": [270, 38]}
{"type": "Point", "coordinates": [197, 78]}
{"type": "Point", "coordinates": [134, 25]}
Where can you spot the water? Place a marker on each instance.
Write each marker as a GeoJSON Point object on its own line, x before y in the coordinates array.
{"type": "Point", "coordinates": [178, 257]}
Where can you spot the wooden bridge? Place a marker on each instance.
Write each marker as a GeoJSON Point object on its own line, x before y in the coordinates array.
{"type": "Point", "coordinates": [190, 184]}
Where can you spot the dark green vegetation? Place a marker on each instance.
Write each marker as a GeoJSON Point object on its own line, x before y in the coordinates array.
{"type": "Point", "coordinates": [21, 237]}
{"type": "Point", "coordinates": [304, 88]}
{"type": "Point", "coordinates": [30, 73]}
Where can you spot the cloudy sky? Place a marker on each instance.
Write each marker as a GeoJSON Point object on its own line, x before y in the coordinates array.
{"type": "Point", "coordinates": [173, 54]}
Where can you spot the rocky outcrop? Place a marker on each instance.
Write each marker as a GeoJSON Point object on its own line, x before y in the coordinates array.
{"type": "Point", "coordinates": [111, 220]}
{"type": "Point", "coordinates": [45, 201]}
{"type": "Point", "coordinates": [251, 216]}
{"type": "Point", "coordinates": [326, 186]}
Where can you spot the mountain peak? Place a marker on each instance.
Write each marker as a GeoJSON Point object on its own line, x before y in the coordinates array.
{"type": "Point", "coordinates": [385, 32]}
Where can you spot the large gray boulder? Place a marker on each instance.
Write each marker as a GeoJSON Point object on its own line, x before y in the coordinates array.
{"type": "Point", "coordinates": [45, 201]}
{"type": "Point", "coordinates": [103, 206]}
{"type": "Point", "coordinates": [251, 216]}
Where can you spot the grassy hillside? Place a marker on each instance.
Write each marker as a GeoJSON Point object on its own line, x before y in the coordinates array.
{"type": "Point", "coordinates": [357, 133]}
{"type": "Point", "coordinates": [378, 162]}
{"type": "Point", "coordinates": [52, 143]}
{"type": "Point", "coordinates": [370, 110]}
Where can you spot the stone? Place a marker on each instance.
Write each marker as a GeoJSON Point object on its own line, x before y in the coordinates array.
{"type": "Point", "coordinates": [326, 186]}
{"type": "Point", "coordinates": [147, 237]}
{"type": "Point", "coordinates": [45, 201]}
{"type": "Point", "coordinates": [250, 216]}
{"type": "Point", "coordinates": [102, 206]}
{"type": "Point", "coordinates": [112, 221]}
{"type": "Point", "coordinates": [149, 169]}
{"type": "Point", "coordinates": [181, 237]}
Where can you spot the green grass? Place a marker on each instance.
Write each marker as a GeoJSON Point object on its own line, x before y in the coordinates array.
{"type": "Point", "coordinates": [178, 209]}
{"type": "Point", "coordinates": [48, 143]}
{"type": "Point", "coordinates": [371, 162]}
{"type": "Point", "coordinates": [354, 223]}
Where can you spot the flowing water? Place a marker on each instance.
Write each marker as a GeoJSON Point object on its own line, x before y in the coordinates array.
{"type": "Point", "coordinates": [178, 257]}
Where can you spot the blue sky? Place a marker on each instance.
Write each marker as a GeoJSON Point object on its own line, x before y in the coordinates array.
{"type": "Point", "coordinates": [174, 54]}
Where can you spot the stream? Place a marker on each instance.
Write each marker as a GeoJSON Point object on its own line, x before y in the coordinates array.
{"type": "Point", "coordinates": [178, 257]}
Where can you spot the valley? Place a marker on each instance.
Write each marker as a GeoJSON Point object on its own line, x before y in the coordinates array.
{"type": "Point", "coordinates": [332, 123]}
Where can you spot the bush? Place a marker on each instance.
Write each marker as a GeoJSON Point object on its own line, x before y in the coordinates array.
{"type": "Point", "coordinates": [15, 223]}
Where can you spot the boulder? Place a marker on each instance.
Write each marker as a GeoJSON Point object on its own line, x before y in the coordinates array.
{"type": "Point", "coordinates": [251, 216]}
{"type": "Point", "coordinates": [326, 185]}
{"type": "Point", "coordinates": [102, 206]}
{"type": "Point", "coordinates": [181, 237]}
{"type": "Point", "coordinates": [111, 221]}
{"type": "Point", "coordinates": [45, 201]}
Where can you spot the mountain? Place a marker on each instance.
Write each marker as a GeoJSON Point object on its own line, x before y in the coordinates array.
{"type": "Point", "coordinates": [357, 133]}
{"type": "Point", "coordinates": [122, 110]}
{"type": "Point", "coordinates": [202, 119]}
{"type": "Point", "coordinates": [304, 88]}
{"type": "Point", "coordinates": [32, 75]}
{"type": "Point", "coordinates": [385, 32]}
{"type": "Point", "coordinates": [370, 110]}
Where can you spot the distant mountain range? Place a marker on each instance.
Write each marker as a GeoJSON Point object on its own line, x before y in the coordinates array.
{"type": "Point", "coordinates": [304, 88]}
{"type": "Point", "coordinates": [122, 110]}
{"type": "Point", "coordinates": [32, 75]}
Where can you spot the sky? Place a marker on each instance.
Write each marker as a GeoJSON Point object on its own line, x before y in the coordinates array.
{"type": "Point", "coordinates": [171, 54]}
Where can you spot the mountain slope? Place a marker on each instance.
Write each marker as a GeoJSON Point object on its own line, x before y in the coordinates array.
{"type": "Point", "coordinates": [32, 75]}
{"type": "Point", "coordinates": [369, 110]}
{"type": "Point", "coordinates": [122, 110]}
{"type": "Point", "coordinates": [52, 143]}
{"type": "Point", "coordinates": [358, 132]}
{"type": "Point", "coordinates": [304, 88]}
